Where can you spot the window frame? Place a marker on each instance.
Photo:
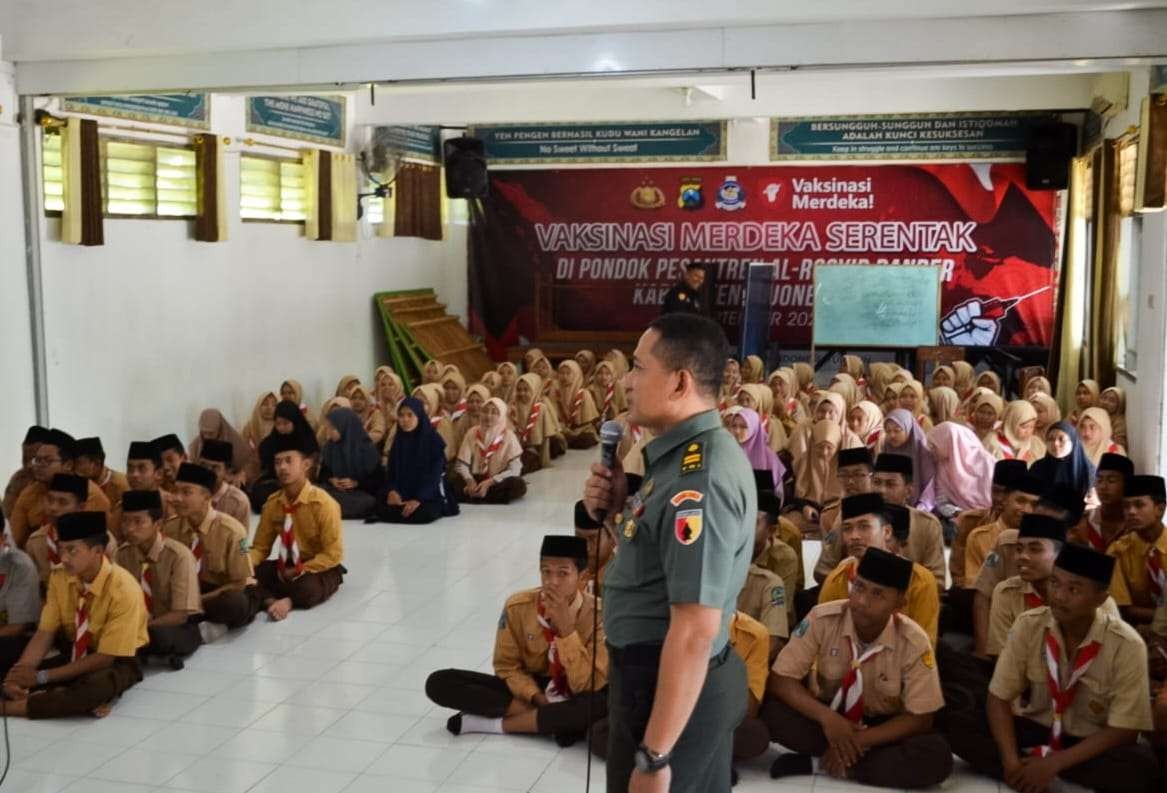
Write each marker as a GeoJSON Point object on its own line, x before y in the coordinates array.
{"type": "Point", "coordinates": [274, 158]}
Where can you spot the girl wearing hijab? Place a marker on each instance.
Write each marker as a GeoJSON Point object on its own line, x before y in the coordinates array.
{"type": "Point", "coordinates": [292, 391]}
{"type": "Point", "coordinates": [879, 375]}
{"type": "Point", "coordinates": [477, 395]}
{"type": "Point", "coordinates": [1048, 412]}
{"type": "Point", "coordinates": [844, 384]}
{"type": "Point", "coordinates": [943, 376]}
{"type": "Point", "coordinates": [753, 369]}
{"type": "Point", "coordinates": [346, 384]}
{"type": "Point", "coordinates": [579, 419]}
{"type": "Point", "coordinates": [731, 383]}
{"type": "Point", "coordinates": [390, 392]}
{"type": "Point", "coordinates": [1113, 401]}
{"type": "Point", "coordinates": [492, 382]}
{"type": "Point", "coordinates": [912, 400]}
{"type": "Point", "coordinates": [830, 407]}
{"type": "Point", "coordinates": [804, 374]}
{"type": "Point", "coordinates": [607, 392]}
{"type": "Point", "coordinates": [815, 483]}
{"type": "Point", "coordinates": [534, 423]}
{"type": "Point", "coordinates": [542, 367]}
{"type": "Point", "coordinates": [530, 356]}
{"type": "Point", "coordinates": [1086, 395]}
{"type": "Point", "coordinates": [350, 465]}
{"type": "Point", "coordinates": [903, 435]}
{"type": "Point", "coordinates": [432, 371]}
{"type": "Point", "coordinates": [963, 375]}
{"type": "Point", "coordinates": [508, 375]}
{"type": "Point", "coordinates": [944, 402]}
{"type": "Point", "coordinates": [964, 470]}
{"type": "Point", "coordinates": [453, 393]}
{"type": "Point", "coordinates": [852, 365]}
{"type": "Point", "coordinates": [431, 396]}
{"type": "Point", "coordinates": [758, 398]}
{"type": "Point", "coordinates": [866, 421]}
{"type": "Point", "coordinates": [987, 409]}
{"type": "Point", "coordinates": [1038, 385]}
{"type": "Point", "coordinates": [263, 417]}
{"type": "Point", "coordinates": [289, 419]}
{"type": "Point", "coordinates": [587, 364]}
{"type": "Point", "coordinates": [990, 380]}
{"type": "Point", "coordinates": [330, 404]}
{"type": "Point", "coordinates": [1017, 438]}
{"type": "Point", "coordinates": [488, 468]}
{"type": "Point", "coordinates": [789, 410]}
{"type": "Point", "coordinates": [1095, 431]}
{"type": "Point", "coordinates": [414, 490]}
{"type": "Point", "coordinates": [620, 363]}
{"type": "Point", "coordinates": [1065, 461]}
{"type": "Point", "coordinates": [213, 427]}
{"type": "Point", "coordinates": [891, 398]}
{"type": "Point", "coordinates": [746, 427]}
{"type": "Point", "coordinates": [371, 417]}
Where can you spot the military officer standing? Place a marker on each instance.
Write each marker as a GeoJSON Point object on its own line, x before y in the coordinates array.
{"type": "Point", "coordinates": [685, 297]}
{"type": "Point", "coordinates": [676, 689]}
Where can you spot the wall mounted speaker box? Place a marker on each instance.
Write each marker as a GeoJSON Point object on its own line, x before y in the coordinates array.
{"type": "Point", "coordinates": [465, 161]}
{"type": "Point", "coordinates": [1048, 151]}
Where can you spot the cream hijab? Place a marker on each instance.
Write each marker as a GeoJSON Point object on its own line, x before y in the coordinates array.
{"type": "Point", "coordinates": [1105, 442]}
{"type": "Point", "coordinates": [815, 469]}
{"type": "Point", "coordinates": [945, 404]}
{"type": "Point", "coordinates": [257, 428]}
{"type": "Point", "coordinates": [488, 451]}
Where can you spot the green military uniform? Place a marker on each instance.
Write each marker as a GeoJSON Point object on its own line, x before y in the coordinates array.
{"type": "Point", "coordinates": [684, 537]}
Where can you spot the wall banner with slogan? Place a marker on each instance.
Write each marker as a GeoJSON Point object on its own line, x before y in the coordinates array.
{"type": "Point", "coordinates": [588, 255]}
{"type": "Point", "coordinates": [642, 141]}
{"type": "Point", "coordinates": [183, 110]}
{"type": "Point", "coordinates": [316, 119]}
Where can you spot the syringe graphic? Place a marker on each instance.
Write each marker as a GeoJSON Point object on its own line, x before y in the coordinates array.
{"type": "Point", "coordinates": [996, 308]}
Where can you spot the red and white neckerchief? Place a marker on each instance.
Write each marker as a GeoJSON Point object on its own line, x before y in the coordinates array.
{"type": "Point", "coordinates": [147, 582]}
{"type": "Point", "coordinates": [459, 411]}
{"type": "Point", "coordinates": [1006, 447]}
{"type": "Point", "coordinates": [609, 395]}
{"type": "Point", "coordinates": [1033, 600]}
{"type": "Point", "coordinates": [436, 420]}
{"type": "Point", "coordinates": [1094, 534]}
{"type": "Point", "coordinates": [290, 551]}
{"type": "Point", "coordinates": [1156, 573]}
{"type": "Point", "coordinates": [51, 544]}
{"type": "Point", "coordinates": [196, 548]}
{"type": "Point", "coordinates": [872, 440]}
{"type": "Point", "coordinates": [637, 432]}
{"type": "Point", "coordinates": [861, 382]}
{"type": "Point", "coordinates": [558, 689]}
{"type": "Point", "coordinates": [532, 419]}
{"type": "Point", "coordinates": [1061, 697]}
{"type": "Point", "coordinates": [849, 698]}
{"type": "Point", "coordinates": [486, 452]}
{"type": "Point", "coordinates": [576, 404]}
{"type": "Point", "coordinates": [791, 407]}
{"type": "Point", "coordinates": [852, 572]}
{"type": "Point", "coordinates": [82, 635]}
{"type": "Point", "coordinates": [1112, 448]}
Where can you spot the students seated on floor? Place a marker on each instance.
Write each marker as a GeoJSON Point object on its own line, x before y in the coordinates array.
{"type": "Point", "coordinates": [66, 493]}
{"type": "Point", "coordinates": [579, 419]}
{"type": "Point", "coordinates": [173, 455]}
{"type": "Point", "coordinates": [20, 600]}
{"type": "Point", "coordinates": [54, 456]}
{"type": "Point", "coordinates": [218, 543]}
{"type": "Point", "coordinates": [23, 476]}
{"type": "Point", "coordinates": [488, 468]}
{"type": "Point", "coordinates": [167, 572]}
{"type": "Point", "coordinates": [213, 426]}
{"type": "Point", "coordinates": [869, 716]}
{"type": "Point", "coordinates": [350, 465]}
{"type": "Point", "coordinates": [1069, 693]}
{"type": "Point", "coordinates": [289, 420]}
{"type": "Point", "coordinates": [216, 457]}
{"type": "Point", "coordinates": [414, 490]}
{"type": "Point", "coordinates": [542, 681]}
{"type": "Point", "coordinates": [95, 616]}
{"type": "Point", "coordinates": [477, 395]}
{"type": "Point", "coordinates": [143, 472]}
{"type": "Point", "coordinates": [303, 523]}
{"type": "Point", "coordinates": [1141, 555]}
{"type": "Point", "coordinates": [90, 463]}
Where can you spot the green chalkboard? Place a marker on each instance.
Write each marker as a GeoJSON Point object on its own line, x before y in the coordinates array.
{"type": "Point", "coordinates": [876, 305]}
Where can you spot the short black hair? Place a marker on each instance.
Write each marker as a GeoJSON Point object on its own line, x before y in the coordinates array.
{"type": "Point", "coordinates": [696, 266]}
{"type": "Point", "coordinates": [694, 343]}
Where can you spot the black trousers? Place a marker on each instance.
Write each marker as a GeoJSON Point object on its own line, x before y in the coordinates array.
{"type": "Point", "coordinates": [427, 512]}
{"type": "Point", "coordinates": [916, 762]}
{"type": "Point", "coordinates": [310, 589]}
{"type": "Point", "coordinates": [956, 611]}
{"type": "Point", "coordinates": [11, 648]}
{"type": "Point", "coordinates": [804, 601]}
{"type": "Point", "coordinates": [354, 504]}
{"type": "Point", "coordinates": [703, 756]}
{"type": "Point", "coordinates": [1127, 769]}
{"type": "Point", "coordinates": [233, 609]}
{"type": "Point", "coordinates": [82, 695]}
{"type": "Point", "coordinates": [173, 640]}
{"type": "Point", "coordinates": [486, 695]}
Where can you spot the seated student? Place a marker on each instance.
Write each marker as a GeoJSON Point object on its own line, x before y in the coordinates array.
{"type": "Point", "coordinates": [1020, 500]}
{"type": "Point", "coordinates": [288, 420]}
{"type": "Point", "coordinates": [226, 498]}
{"type": "Point", "coordinates": [390, 390]}
{"type": "Point", "coordinates": [764, 596]}
{"type": "Point", "coordinates": [143, 472]}
{"type": "Point", "coordinates": [1113, 401]}
{"type": "Point", "coordinates": [535, 424]}
{"type": "Point", "coordinates": [99, 662]}
{"type": "Point", "coordinates": [489, 468]}
{"type": "Point", "coordinates": [90, 463]}
{"type": "Point", "coordinates": [173, 455]}
{"type": "Point", "coordinates": [608, 392]}
{"type": "Point", "coordinates": [431, 396]}
{"type": "Point", "coordinates": [350, 465]}
{"type": "Point", "coordinates": [20, 601]}
{"type": "Point", "coordinates": [370, 415]}
{"type": "Point", "coordinates": [854, 468]}
{"type": "Point", "coordinates": [1101, 525]}
{"type": "Point", "coordinates": [54, 456]}
{"type": "Point", "coordinates": [1141, 554]}
{"type": "Point", "coordinates": [415, 474]}
{"type": "Point", "coordinates": [477, 395]}
{"type": "Point", "coordinates": [261, 421]}
{"type": "Point", "coordinates": [866, 525]}
{"type": "Point", "coordinates": [731, 383]}
{"type": "Point", "coordinates": [816, 486]}
{"type": "Point", "coordinates": [508, 375]}
{"type": "Point", "coordinates": [579, 419]}
{"type": "Point", "coordinates": [1005, 473]}
{"type": "Point", "coordinates": [306, 521]}
{"type": "Point", "coordinates": [964, 470]}
{"type": "Point", "coordinates": [746, 427]}
{"type": "Point", "coordinates": [292, 391]}
{"type": "Point", "coordinates": [542, 681]}
{"type": "Point", "coordinates": [601, 547]}
{"type": "Point", "coordinates": [218, 543]}
{"type": "Point", "coordinates": [1069, 693]}
{"type": "Point", "coordinates": [214, 427]}
{"type": "Point", "coordinates": [1000, 564]}
{"type": "Point", "coordinates": [453, 385]}
{"type": "Point", "coordinates": [550, 393]}
{"type": "Point", "coordinates": [1065, 461]}
{"type": "Point", "coordinates": [66, 494]}
{"type": "Point", "coordinates": [782, 552]}
{"type": "Point", "coordinates": [432, 371]}
{"type": "Point", "coordinates": [869, 719]}
{"type": "Point", "coordinates": [751, 641]}
{"type": "Point", "coordinates": [1096, 434]}
{"type": "Point", "coordinates": [168, 574]}
{"type": "Point", "coordinates": [23, 475]}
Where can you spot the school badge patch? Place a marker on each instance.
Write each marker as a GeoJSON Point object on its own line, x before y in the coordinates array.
{"type": "Point", "coordinates": [694, 458]}
{"type": "Point", "coordinates": [802, 628]}
{"type": "Point", "coordinates": [778, 596]}
{"type": "Point", "coordinates": [687, 525]}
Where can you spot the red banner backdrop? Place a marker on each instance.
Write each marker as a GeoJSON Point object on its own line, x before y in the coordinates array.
{"type": "Point", "coordinates": [587, 255]}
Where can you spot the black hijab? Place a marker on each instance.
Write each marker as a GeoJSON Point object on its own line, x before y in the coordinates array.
{"type": "Point", "coordinates": [1074, 470]}
{"type": "Point", "coordinates": [353, 456]}
{"type": "Point", "coordinates": [288, 411]}
{"type": "Point", "coordinates": [413, 453]}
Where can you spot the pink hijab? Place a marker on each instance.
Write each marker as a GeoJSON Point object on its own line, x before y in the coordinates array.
{"type": "Point", "coordinates": [964, 469]}
{"type": "Point", "coordinates": [761, 456]}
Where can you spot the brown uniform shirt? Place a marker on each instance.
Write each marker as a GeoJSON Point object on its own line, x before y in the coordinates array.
{"type": "Point", "coordinates": [114, 484]}
{"type": "Point", "coordinates": [316, 524]}
{"type": "Point", "coordinates": [1111, 532]}
{"type": "Point", "coordinates": [764, 598]}
{"type": "Point", "coordinates": [1010, 600]}
{"type": "Point", "coordinates": [965, 523]}
{"type": "Point", "coordinates": [230, 500]}
{"type": "Point", "coordinates": [1001, 563]}
{"type": "Point", "coordinates": [117, 613]}
{"type": "Point", "coordinates": [37, 548]}
{"type": "Point", "coordinates": [29, 511]}
{"type": "Point", "coordinates": [520, 651]}
{"type": "Point", "coordinates": [923, 601]}
{"type": "Point", "coordinates": [901, 678]}
{"type": "Point", "coordinates": [226, 555]}
{"type": "Point", "coordinates": [1114, 692]}
{"type": "Point", "coordinates": [979, 543]}
{"type": "Point", "coordinates": [19, 481]}
{"type": "Point", "coordinates": [175, 584]}
{"type": "Point", "coordinates": [925, 547]}
{"type": "Point", "coordinates": [781, 560]}
{"type": "Point", "coordinates": [1131, 584]}
{"type": "Point", "coordinates": [750, 640]}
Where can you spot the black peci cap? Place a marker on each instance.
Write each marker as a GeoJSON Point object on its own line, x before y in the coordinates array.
{"type": "Point", "coordinates": [886, 569]}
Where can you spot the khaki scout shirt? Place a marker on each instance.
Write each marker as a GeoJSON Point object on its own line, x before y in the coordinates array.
{"type": "Point", "coordinates": [114, 484]}
{"type": "Point", "coordinates": [922, 601]}
{"type": "Point", "coordinates": [925, 546]}
{"type": "Point", "coordinates": [978, 546]}
{"type": "Point", "coordinates": [230, 500]}
{"type": "Point", "coordinates": [226, 555]}
{"type": "Point", "coordinates": [520, 651]}
{"type": "Point", "coordinates": [751, 642]}
{"type": "Point", "coordinates": [902, 678]}
{"type": "Point", "coordinates": [686, 536]}
{"type": "Point", "coordinates": [1114, 692]}
{"type": "Point", "coordinates": [1010, 601]}
{"type": "Point", "coordinates": [117, 613]}
{"type": "Point", "coordinates": [1131, 583]}
{"type": "Point", "coordinates": [316, 524]}
{"type": "Point", "coordinates": [780, 559]}
{"type": "Point", "coordinates": [965, 522]}
{"type": "Point", "coordinates": [764, 598]}
{"type": "Point", "coordinates": [175, 584]}
{"type": "Point", "coordinates": [29, 511]}
{"type": "Point", "coordinates": [1001, 563]}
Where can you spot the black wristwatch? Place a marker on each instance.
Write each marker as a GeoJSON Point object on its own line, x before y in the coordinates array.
{"type": "Point", "coordinates": [649, 762]}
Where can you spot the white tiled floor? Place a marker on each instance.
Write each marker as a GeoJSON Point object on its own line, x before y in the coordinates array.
{"type": "Point", "coordinates": [332, 699]}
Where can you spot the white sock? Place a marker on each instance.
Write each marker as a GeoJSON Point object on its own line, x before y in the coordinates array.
{"type": "Point", "coordinates": [816, 765]}
{"type": "Point", "coordinates": [481, 724]}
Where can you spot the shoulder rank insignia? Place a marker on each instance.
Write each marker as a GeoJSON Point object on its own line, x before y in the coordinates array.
{"type": "Point", "coordinates": [693, 459]}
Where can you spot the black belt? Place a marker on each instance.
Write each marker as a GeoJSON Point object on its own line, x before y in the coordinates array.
{"type": "Point", "coordinates": [648, 654]}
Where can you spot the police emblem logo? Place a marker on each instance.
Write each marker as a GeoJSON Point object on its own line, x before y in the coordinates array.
{"type": "Point", "coordinates": [687, 525]}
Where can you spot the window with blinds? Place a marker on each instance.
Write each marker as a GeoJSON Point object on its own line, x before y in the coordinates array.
{"type": "Point", "coordinates": [272, 189]}
{"type": "Point", "coordinates": [52, 174]}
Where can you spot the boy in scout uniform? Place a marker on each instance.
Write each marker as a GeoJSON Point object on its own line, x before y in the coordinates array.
{"type": "Point", "coordinates": [168, 575]}
{"type": "Point", "coordinates": [173, 454]}
{"type": "Point", "coordinates": [22, 478]}
{"type": "Point", "coordinates": [95, 616]}
{"type": "Point", "coordinates": [854, 472]}
{"type": "Point", "coordinates": [1021, 499]}
{"type": "Point", "coordinates": [869, 718]}
{"type": "Point", "coordinates": [781, 553]}
{"type": "Point", "coordinates": [999, 565]}
{"type": "Point", "coordinates": [303, 523]}
{"type": "Point", "coordinates": [764, 595]}
{"type": "Point", "coordinates": [1140, 573]}
{"type": "Point", "coordinates": [542, 681]}
{"type": "Point", "coordinates": [216, 457]}
{"type": "Point", "coordinates": [751, 641]}
{"type": "Point", "coordinates": [1005, 473]}
{"type": "Point", "coordinates": [66, 493]}
{"type": "Point", "coordinates": [20, 600]}
{"type": "Point", "coordinates": [53, 456]}
{"type": "Point", "coordinates": [90, 463]}
{"type": "Point", "coordinates": [865, 526]}
{"type": "Point", "coordinates": [1069, 694]}
{"type": "Point", "coordinates": [1105, 523]}
{"type": "Point", "coordinates": [219, 547]}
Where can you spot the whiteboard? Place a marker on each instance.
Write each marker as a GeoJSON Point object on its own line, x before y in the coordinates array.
{"type": "Point", "coordinates": [864, 305]}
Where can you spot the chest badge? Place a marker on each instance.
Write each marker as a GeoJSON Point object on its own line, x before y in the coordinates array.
{"type": "Point", "coordinates": [630, 529]}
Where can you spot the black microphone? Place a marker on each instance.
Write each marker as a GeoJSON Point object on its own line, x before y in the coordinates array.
{"type": "Point", "coordinates": [611, 433]}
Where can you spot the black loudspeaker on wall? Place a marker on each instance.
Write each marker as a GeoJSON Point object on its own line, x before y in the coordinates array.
{"type": "Point", "coordinates": [1049, 148]}
{"type": "Point", "coordinates": [465, 161]}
